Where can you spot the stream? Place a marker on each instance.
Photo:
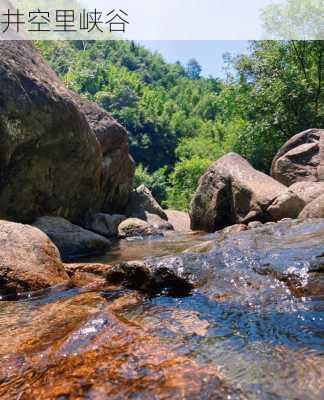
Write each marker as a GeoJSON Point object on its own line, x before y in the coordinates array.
{"type": "Point", "coordinates": [252, 327]}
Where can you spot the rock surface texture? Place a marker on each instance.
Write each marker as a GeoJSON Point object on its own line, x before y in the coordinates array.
{"type": "Point", "coordinates": [287, 205]}
{"type": "Point", "coordinates": [72, 240]}
{"type": "Point", "coordinates": [299, 159]}
{"type": "Point", "coordinates": [117, 166]}
{"type": "Point", "coordinates": [307, 191]}
{"type": "Point", "coordinates": [315, 209]}
{"type": "Point", "coordinates": [29, 261]}
{"type": "Point", "coordinates": [59, 154]}
{"type": "Point", "coordinates": [230, 192]}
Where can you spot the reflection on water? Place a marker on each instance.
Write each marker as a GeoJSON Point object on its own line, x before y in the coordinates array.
{"type": "Point", "coordinates": [248, 338]}
{"type": "Point", "coordinates": [141, 248]}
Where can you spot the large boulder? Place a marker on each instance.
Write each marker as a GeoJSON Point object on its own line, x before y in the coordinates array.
{"type": "Point", "coordinates": [59, 154]}
{"type": "Point", "coordinates": [299, 158]}
{"type": "Point", "coordinates": [72, 240]}
{"type": "Point", "coordinates": [315, 209]}
{"type": "Point", "coordinates": [28, 259]}
{"type": "Point", "coordinates": [231, 192]}
{"type": "Point", "coordinates": [141, 201]}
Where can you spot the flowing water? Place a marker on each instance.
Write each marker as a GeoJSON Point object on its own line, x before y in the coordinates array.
{"type": "Point", "coordinates": [242, 332]}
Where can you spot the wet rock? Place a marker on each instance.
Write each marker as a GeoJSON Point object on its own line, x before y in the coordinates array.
{"type": "Point", "coordinates": [180, 220]}
{"type": "Point", "coordinates": [149, 278]}
{"type": "Point", "coordinates": [288, 251]}
{"type": "Point", "coordinates": [72, 240]}
{"type": "Point", "coordinates": [141, 201]}
{"type": "Point", "coordinates": [91, 268]}
{"type": "Point", "coordinates": [298, 159]}
{"type": "Point", "coordinates": [135, 227]}
{"type": "Point", "coordinates": [230, 192]}
{"type": "Point", "coordinates": [104, 224]}
{"type": "Point", "coordinates": [29, 261]}
{"type": "Point", "coordinates": [90, 276]}
{"type": "Point", "coordinates": [315, 209]}
{"type": "Point", "coordinates": [307, 191]}
{"type": "Point", "coordinates": [158, 223]}
{"type": "Point", "coordinates": [287, 205]}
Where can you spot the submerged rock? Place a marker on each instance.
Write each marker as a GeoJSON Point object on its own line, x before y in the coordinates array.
{"type": "Point", "coordinates": [29, 261]}
{"type": "Point", "coordinates": [298, 159]}
{"type": "Point", "coordinates": [96, 354]}
{"type": "Point", "coordinates": [72, 240]}
{"type": "Point", "coordinates": [230, 192]}
{"type": "Point", "coordinates": [141, 201]}
{"type": "Point", "coordinates": [135, 227]}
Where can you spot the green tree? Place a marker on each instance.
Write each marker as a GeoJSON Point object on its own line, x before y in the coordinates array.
{"type": "Point", "coordinates": [193, 69]}
{"type": "Point", "coordinates": [184, 181]}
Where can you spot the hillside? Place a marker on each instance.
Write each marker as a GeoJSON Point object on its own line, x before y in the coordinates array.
{"type": "Point", "coordinates": [178, 121]}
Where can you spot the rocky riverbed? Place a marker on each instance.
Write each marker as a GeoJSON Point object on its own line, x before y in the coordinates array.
{"type": "Point", "coordinates": [244, 320]}
{"type": "Point", "coordinates": [158, 311]}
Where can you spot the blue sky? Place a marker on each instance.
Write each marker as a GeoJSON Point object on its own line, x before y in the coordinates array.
{"type": "Point", "coordinates": [188, 19]}
{"type": "Point", "coordinates": [208, 53]}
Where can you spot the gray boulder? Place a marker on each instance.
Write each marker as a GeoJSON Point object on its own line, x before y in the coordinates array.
{"type": "Point", "coordinates": [141, 201]}
{"type": "Point", "coordinates": [104, 224]}
{"type": "Point", "coordinates": [72, 240]}
{"type": "Point", "coordinates": [299, 158]}
{"type": "Point", "coordinates": [232, 192]}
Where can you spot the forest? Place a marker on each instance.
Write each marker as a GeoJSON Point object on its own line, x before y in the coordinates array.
{"type": "Point", "coordinates": [179, 122]}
